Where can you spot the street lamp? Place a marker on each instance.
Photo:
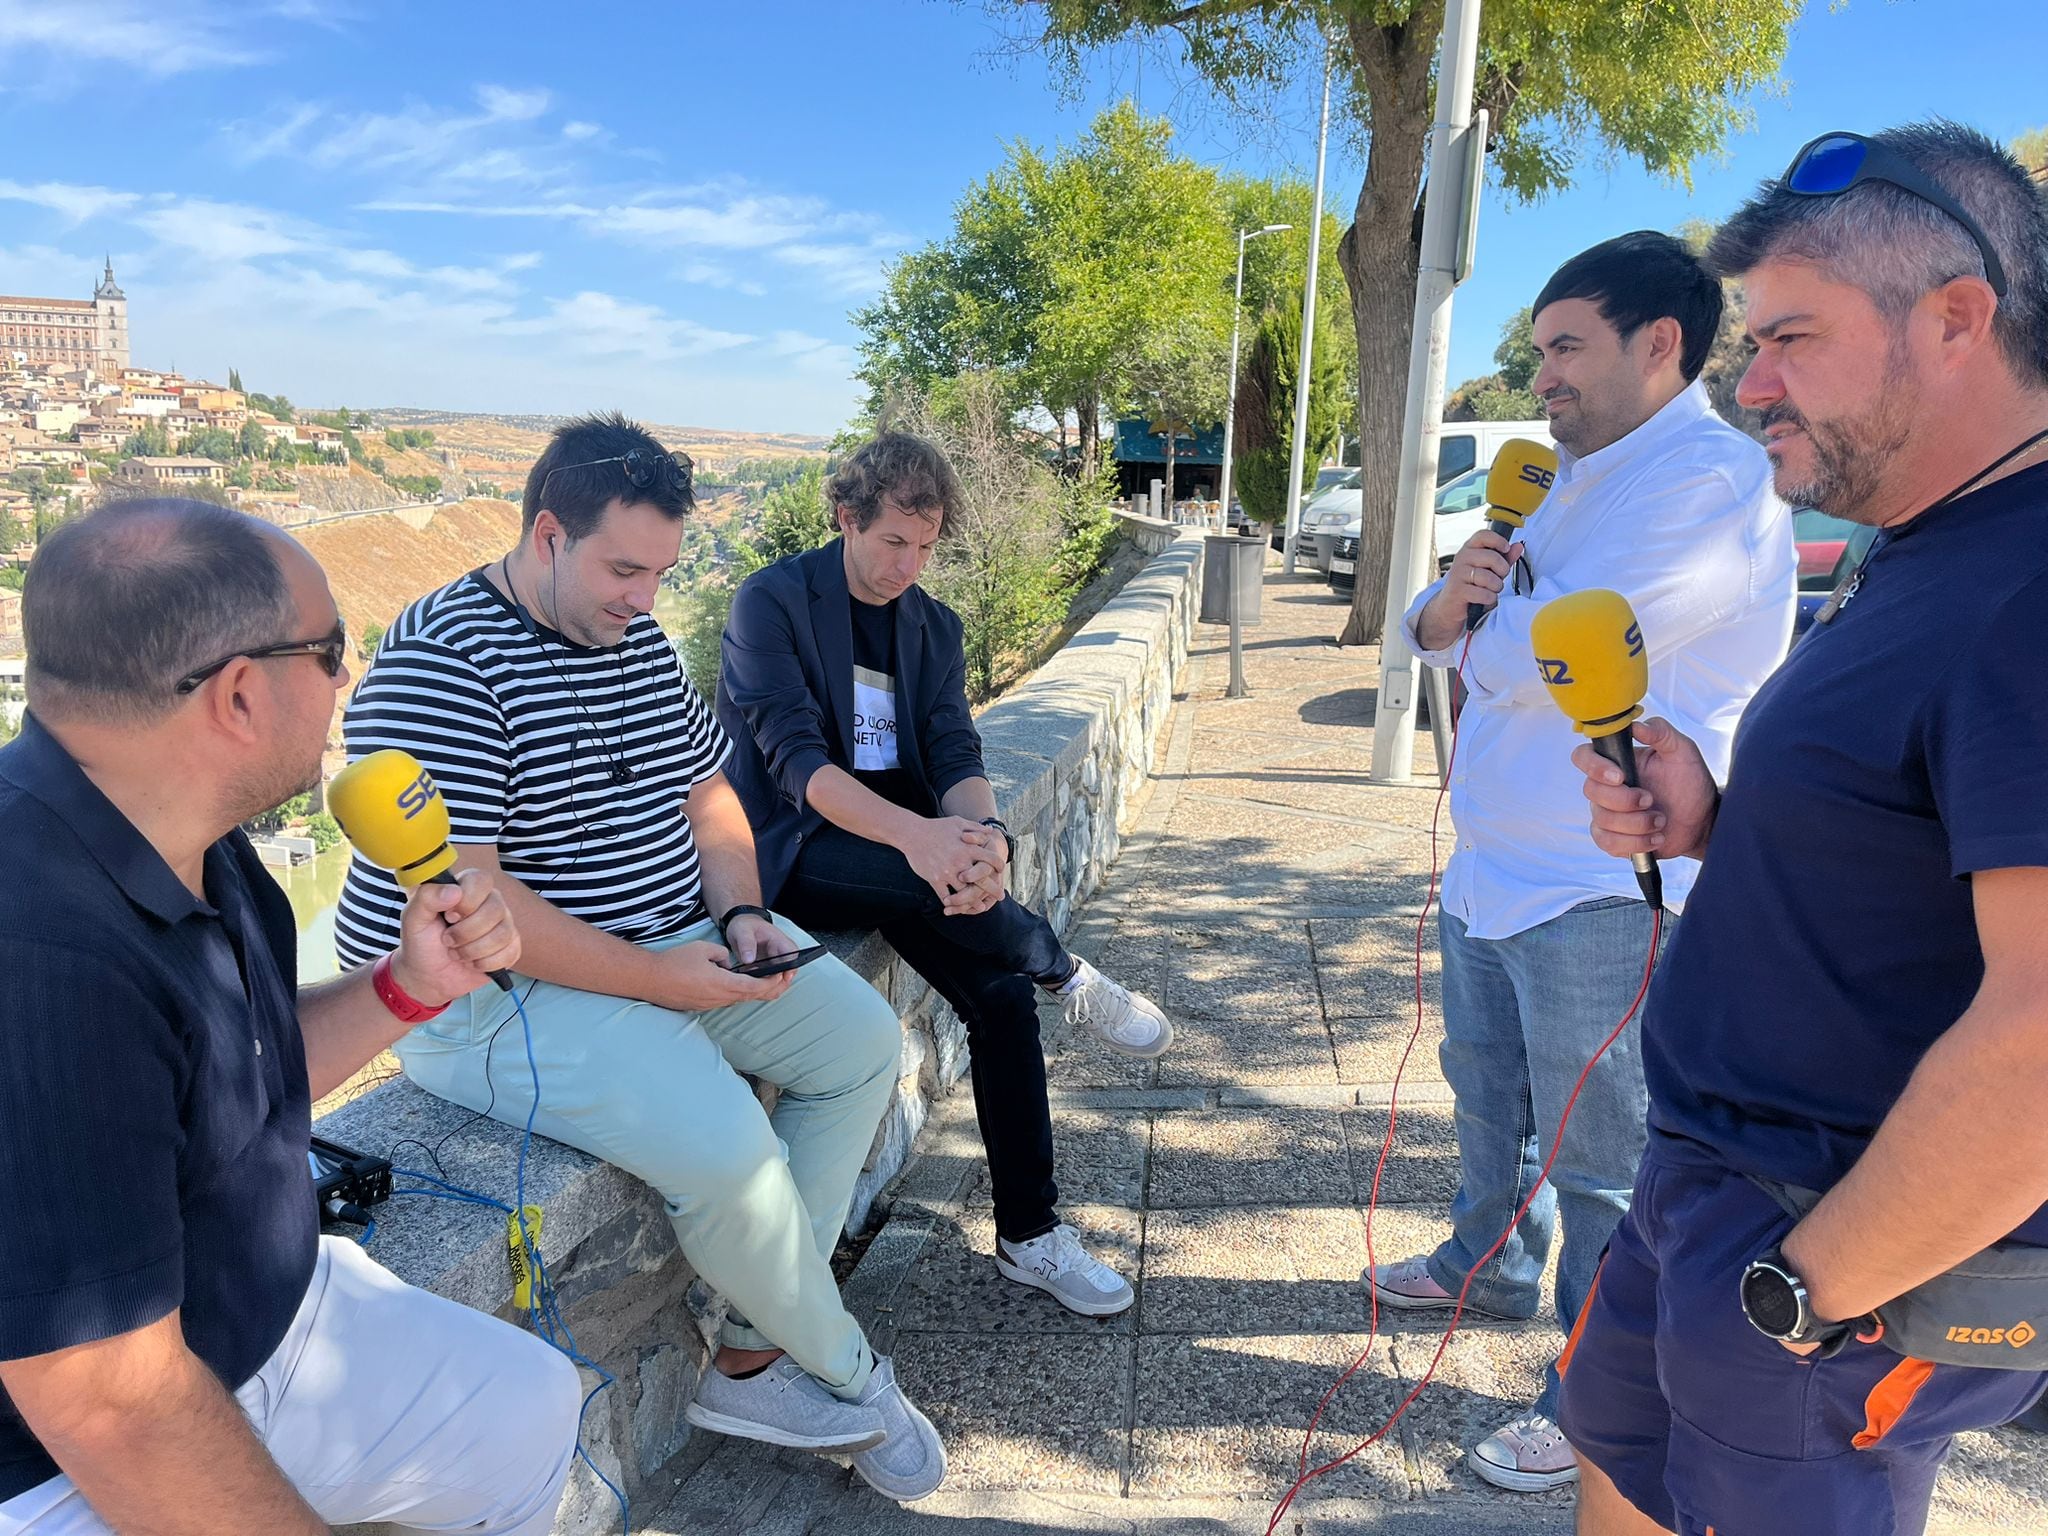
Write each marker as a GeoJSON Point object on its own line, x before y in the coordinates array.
{"type": "Point", "coordinates": [1230, 408]}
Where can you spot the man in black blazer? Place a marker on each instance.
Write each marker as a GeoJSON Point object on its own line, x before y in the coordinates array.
{"type": "Point", "coordinates": [844, 692]}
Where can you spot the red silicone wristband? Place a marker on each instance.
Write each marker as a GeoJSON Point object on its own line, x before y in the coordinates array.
{"type": "Point", "coordinates": [404, 1007]}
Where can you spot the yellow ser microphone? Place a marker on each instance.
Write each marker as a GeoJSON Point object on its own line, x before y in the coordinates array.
{"type": "Point", "coordinates": [1589, 648]}
{"type": "Point", "coordinates": [1522, 474]}
{"type": "Point", "coordinates": [392, 811]}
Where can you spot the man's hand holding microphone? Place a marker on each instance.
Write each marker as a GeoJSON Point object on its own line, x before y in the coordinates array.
{"type": "Point", "coordinates": [1520, 478]}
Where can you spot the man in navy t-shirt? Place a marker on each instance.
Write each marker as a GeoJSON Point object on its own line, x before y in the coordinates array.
{"type": "Point", "coordinates": [181, 1351]}
{"type": "Point", "coordinates": [1857, 1003]}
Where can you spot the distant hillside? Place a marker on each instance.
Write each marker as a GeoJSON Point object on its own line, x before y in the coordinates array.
{"type": "Point", "coordinates": [377, 565]}
{"type": "Point", "coordinates": [499, 449]}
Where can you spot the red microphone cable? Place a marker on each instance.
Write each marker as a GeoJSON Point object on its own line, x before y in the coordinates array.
{"type": "Point", "coordinates": [1306, 1475]}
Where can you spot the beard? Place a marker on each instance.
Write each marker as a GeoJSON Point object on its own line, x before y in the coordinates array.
{"type": "Point", "coordinates": [1851, 454]}
{"type": "Point", "coordinates": [266, 786]}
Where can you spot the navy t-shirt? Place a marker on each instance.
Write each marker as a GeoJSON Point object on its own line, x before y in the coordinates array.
{"type": "Point", "coordinates": [1831, 939]}
{"type": "Point", "coordinates": [154, 1109]}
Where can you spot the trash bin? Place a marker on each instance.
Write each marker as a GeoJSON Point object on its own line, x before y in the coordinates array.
{"type": "Point", "coordinates": [1226, 558]}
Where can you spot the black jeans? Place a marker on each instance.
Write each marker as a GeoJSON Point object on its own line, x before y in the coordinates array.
{"type": "Point", "coordinates": [987, 967]}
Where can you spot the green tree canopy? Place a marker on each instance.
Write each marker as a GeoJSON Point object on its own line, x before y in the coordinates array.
{"type": "Point", "coordinates": [1061, 276]}
{"type": "Point", "coordinates": [1264, 428]}
{"type": "Point", "coordinates": [2031, 149]}
{"type": "Point", "coordinates": [1564, 81]}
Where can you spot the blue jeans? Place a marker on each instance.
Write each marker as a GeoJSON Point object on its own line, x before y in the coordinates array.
{"type": "Point", "coordinates": [1522, 1016]}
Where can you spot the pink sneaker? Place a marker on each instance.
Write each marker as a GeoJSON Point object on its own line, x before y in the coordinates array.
{"type": "Point", "coordinates": [1527, 1456]}
{"type": "Point", "coordinates": [1407, 1287]}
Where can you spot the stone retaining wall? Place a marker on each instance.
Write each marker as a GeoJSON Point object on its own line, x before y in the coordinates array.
{"type": "Point", "coordinates": [1068, 752]}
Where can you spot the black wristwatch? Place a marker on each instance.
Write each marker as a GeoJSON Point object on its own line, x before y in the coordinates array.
{"type": "Point", "coordinates": [761, 912]}
{"type": "Point", "coordinates": [1774, 1300]}
{"type": "Point", "coordinates": [1009, 841]}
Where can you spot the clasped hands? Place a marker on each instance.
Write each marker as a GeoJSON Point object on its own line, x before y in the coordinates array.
{"type": "Point", "coordinates": [962, 861]}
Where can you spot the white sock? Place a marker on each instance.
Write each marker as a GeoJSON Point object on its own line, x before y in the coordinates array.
{"type": "Point", "coordinates": [1070, 983]}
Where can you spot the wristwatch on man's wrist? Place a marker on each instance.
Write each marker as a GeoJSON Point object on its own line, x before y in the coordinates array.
{"type": "Point", "coordinates": [732, 912]}
{"type": "Point", "coordinates": [1775, 1301]}
{"type": "Point", "coordinates": [1009, 841]}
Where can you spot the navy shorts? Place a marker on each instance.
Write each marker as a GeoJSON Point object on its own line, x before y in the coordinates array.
{"type": "Point", "coordinates": [1711, 1429]}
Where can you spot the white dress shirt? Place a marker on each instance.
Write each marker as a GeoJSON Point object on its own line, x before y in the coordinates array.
{"type": "Point", "coordinates": [1680, 518]}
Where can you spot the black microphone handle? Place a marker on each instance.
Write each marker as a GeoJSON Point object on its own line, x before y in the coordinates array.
{"type": "Point", "coordinates": [1619, 748]}
{"type": "Point", "coordinates": [447, 877]}
{"type": "Point", "coordinates": [1474, 612]}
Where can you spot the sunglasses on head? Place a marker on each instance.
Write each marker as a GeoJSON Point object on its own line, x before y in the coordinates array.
{"type": "Point", "coordinates": [331, 649]}
{"type": "Point", "coordinates": [1835, 162]}
{"type": "Point", "coordinates": [644, 471]}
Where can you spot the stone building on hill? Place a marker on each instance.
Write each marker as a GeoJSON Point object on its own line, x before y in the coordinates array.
{"type": "Point", "coordinates": [69, 333]}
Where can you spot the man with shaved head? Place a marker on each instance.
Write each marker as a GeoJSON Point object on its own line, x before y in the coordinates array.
{"type": "Point", "coordinates": [181, 1351]}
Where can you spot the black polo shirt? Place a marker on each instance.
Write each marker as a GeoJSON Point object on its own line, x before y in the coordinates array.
{"type": "Point", "coordinates": [154, 1108]}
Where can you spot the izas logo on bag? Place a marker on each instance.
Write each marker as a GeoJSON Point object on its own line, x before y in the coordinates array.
{"type": "Point", "coordinates": [2019, 1335]}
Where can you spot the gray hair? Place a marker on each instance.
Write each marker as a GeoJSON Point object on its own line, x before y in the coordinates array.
{"type": "Point", "coordinates": [1897, 248]}
{"type": "Point", "coordinates": [121, 603]}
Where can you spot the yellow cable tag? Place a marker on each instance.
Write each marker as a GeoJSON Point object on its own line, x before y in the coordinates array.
{"type": "Point", "coordinates": [522, 1271]}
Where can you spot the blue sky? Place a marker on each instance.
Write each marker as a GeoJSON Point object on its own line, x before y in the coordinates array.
{"type": "Point", "coordinates": [672, 208]}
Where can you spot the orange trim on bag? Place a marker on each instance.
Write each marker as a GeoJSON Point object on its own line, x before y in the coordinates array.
{"type": "Point", "coordinates": [1585, 1310]}
{"type": "Point", "coordinates": [1889, 1400]}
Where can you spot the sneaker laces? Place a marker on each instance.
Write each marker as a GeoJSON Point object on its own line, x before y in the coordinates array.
{"type": "Point", "coordinates": [1537, 1432]}
{"type": "Point", "coordinates": [1102, 1004]}
{"type": "Point", "coordinates": [1067, 1254]}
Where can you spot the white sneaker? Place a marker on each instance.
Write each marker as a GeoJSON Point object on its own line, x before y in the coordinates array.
{"type": "Point", "coordinates": [1527, 1456]}
{"type": "Point", "coordinates": [1057, 1263]}
{"type": "Point", "coordinates": [1125, 1021]}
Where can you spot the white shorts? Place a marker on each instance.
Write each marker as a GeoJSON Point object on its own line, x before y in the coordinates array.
{"type": "Point", "coordinates": [388, 1403]}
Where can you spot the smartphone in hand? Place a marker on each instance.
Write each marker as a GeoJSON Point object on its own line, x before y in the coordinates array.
{"type": "Point", "coordinates": [775, 965]}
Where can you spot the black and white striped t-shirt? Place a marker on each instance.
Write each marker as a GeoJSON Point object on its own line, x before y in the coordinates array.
{"type": "Point", "coordinates": [527, 736]}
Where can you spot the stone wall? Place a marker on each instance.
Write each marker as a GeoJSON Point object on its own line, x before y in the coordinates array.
{"type": "Point", "coordinates": [1068, 752]}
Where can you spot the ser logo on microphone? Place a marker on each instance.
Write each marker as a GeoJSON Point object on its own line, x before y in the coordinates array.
{"type": "Point", "coordinates": [1535, 474]}
{"type": "Point", "coordinates": [1633, 639]}
{"type": "Point", "coordinates": [1554, 670]}
{"type": "Point", "coordinates": [417, 795]}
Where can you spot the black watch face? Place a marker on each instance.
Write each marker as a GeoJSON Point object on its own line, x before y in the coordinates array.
{"type": "Point", "coordinates": [1770, 1301]}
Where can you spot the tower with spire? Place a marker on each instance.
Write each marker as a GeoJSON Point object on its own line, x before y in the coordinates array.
{"type": "Point", "coordinates": [110, 308]}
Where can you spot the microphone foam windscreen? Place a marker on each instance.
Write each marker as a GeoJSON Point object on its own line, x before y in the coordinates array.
{"type": "Point", "coordinates": [1589, 649]}
{"type": "Point", "coordinates": [1519, 480]}
{"type": "Point", "coordinates": [393, 812]}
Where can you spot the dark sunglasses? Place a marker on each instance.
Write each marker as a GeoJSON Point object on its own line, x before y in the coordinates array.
{"type": "Point", "coordinates": [644, 471]}
{"type": "Point", "coordinates": [1835, 162]}
{"type": "Point", "coordinates": [331, 649]}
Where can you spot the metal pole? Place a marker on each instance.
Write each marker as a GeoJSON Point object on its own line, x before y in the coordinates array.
{"type": "Point", "coordinates": [1393, 729]}
{"type": "Point", "coordinates": [1236, 688]}
{"type": "Point", "coordinates": [1308, 331]}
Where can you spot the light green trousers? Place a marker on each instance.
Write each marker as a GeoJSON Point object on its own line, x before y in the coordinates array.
{"type": "Point", "coordinates": [758, 1202]}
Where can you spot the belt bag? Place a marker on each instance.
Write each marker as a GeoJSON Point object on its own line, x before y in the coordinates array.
{"type": "Point", "coordinates": [1990, 1311]}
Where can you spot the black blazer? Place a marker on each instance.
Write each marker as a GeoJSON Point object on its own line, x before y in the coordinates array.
{"type": "Point", "coordinates": [785, 697]}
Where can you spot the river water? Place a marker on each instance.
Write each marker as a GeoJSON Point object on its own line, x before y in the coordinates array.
{"type": "Point", "coordinates": [315, 891]}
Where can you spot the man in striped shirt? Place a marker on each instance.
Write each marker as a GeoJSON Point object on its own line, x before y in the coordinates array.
{"type": "Point", "coordinates": [582, 769]}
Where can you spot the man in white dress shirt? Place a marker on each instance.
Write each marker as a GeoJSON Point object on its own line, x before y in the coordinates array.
{"type": "Point", "coordinates": [1545, 939]}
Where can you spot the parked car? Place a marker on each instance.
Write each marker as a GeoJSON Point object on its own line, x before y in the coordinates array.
{"type": "Point", "coordinates": [1324, 518]}
{"type": "Point", "coordinates": [1465, 448]}
{"type": "Point", "coordinates": [1820, 539]}
{"type": "Point", "coordinates": [1460, 513]}
{"type": "Point", "coordinates": [1813, 594]}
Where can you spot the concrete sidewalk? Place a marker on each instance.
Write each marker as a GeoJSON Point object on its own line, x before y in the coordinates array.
{"type": "Point", "coordinates": [1269, 901]}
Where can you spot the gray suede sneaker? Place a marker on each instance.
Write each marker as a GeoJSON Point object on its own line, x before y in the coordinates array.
{"type": "Point", "coordinates": [911, 1462]}
{"type": "Point", "coordinates": [783, 1405]}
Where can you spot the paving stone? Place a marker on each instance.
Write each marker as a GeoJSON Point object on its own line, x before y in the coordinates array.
{"type": "Point", "coordinates": [1237, 1270]}
{"type": "Point", "coordinates": [1250, 1157]}
{"type": "Point", "coordinates": [1995, 1480]}
{"type": "Point", "coordinates": [954, 1285]}
{"type": "Point", "coordinates": [1372, 1050]}
{"type": "Point", "coordinates": [1422, 1165]}
{"type": "Point", "coordinates": [1487, 1377]}
{"type": "Point", "coordinates": [1098, 1158]}
{"type": "Point", "coordinates": [1023, 1410]}
{"type": "Point", "coordinates": [1288, 1048]}
{"type": "Point", "coordinates": [1227, 1415]}
{"type": "Point", "coordinates": [1366, 967]}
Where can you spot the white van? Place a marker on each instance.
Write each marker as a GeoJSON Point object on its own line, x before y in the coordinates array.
{"type": "Point", "coordinates": [1464, 447]}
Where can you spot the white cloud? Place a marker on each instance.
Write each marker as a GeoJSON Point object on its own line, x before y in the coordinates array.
{"type": "Point", "coordinates": [814, 354]}
{"type": "Point", "coordinates": [75, 203]}
{"type": "Point", "coordinates": [709, 274]}
{"type": "Point", "coordinates": [846, 269]}
{"type": "Point", "coordinates": [155, 39]}
{"type": "Point", "coordinates": [582, 131]}
{"type": "Point", "coordinates": [434, 146]}
{"type": "Point", "coordinates": [600, 325]}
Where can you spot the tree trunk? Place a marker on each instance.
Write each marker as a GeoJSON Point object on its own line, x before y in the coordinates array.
{"type": "Point", "coordinates": [1088, 428]}
{"type": "Point", "coordinates": [1169, 471]}
{"type": "Point", "coordinates": [1380, 255]}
